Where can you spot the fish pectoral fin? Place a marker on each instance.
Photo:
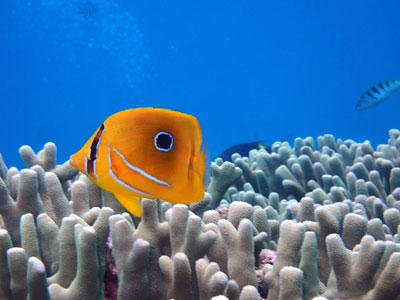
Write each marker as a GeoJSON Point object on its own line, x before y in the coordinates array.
{"type": "Point", "coordinates": [131, 204]}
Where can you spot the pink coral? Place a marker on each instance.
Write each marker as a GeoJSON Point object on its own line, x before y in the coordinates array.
{"type": "Point", "coordinates": [111, 276]}
{"type": "Point", "coordinates": [223, 212]}
{"type": "Point", "coordinates": [267, 257]}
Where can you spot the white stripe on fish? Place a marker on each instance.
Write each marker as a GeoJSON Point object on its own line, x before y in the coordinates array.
{"type": "Point", "coordinates": [140, 171]}
{"type": "Point", "coordinates": [122, 182]}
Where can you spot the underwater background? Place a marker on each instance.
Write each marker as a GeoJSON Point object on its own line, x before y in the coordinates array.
{"type": "Point", "coordinates": [259, 70]}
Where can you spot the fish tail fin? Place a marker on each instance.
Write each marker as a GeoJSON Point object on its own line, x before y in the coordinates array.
{"type": "Point", "coordinates": [131, 204]}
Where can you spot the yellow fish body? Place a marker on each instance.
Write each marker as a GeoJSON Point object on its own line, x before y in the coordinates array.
{"type": "Point", "coordinates": [146, 152]}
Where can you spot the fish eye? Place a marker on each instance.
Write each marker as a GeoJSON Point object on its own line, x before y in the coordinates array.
{"type": "Point", "coordinates": [163, 141]}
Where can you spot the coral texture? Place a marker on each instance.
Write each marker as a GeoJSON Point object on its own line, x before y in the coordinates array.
{"type": "Point", "coordinates": [319, 220]}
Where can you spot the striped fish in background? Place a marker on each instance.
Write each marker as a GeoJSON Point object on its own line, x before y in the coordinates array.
{"type": "Point", "coordinates": [377, 93]}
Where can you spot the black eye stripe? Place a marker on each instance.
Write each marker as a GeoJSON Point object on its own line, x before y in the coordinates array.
{"type": "Point", "coordinates": [93, 151]}
{"type": "Point", "coordinates": [163, 141]}
{"type": "Point", "coordinates": [93, 145]}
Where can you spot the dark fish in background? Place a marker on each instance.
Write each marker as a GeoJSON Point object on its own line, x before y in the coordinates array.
{"type": "Point", "coordinates": [243, 149]}
{"type": "Point", "coordinates": [88, 10]}
{"type": "Point", "coordinates": [377, 93]}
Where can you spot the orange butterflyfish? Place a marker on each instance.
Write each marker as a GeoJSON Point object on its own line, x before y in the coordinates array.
{"type": "Point", "coordinates": [146, 152]}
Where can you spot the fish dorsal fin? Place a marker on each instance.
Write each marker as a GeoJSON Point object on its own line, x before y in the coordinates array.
{"type": "Point", "coordinates": [131, 204]}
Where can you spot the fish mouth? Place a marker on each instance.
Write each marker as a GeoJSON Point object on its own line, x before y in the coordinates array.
{"type": "Point", "coordinates": [73, 161]}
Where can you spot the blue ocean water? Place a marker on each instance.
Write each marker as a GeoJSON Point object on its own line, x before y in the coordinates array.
{"type": "Point", "coordinates": [248, 70]}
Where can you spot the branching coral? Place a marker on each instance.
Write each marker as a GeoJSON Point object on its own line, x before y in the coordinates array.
{"type": "Point", "coordinates": [325, 215]}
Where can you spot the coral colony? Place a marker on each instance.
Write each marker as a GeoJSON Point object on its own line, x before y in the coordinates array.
{"type": "Point", "coordinates": [303, 222]}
